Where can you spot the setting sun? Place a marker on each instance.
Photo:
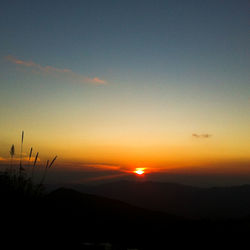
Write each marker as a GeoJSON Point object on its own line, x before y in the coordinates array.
{"type": "Point", "coordinates": [139, 171]}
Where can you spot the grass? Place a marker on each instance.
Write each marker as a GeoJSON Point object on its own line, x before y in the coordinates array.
{"type": "Point", "coordinates": [20, 181]}
{"type": "Point", "coordinates": [21, 185]}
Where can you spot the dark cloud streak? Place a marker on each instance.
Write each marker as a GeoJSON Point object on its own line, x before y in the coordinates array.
{"type": "Point", "coordinates": [201, 135]}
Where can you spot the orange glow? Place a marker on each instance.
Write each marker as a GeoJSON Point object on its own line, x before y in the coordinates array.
{"type": "Point", "coordinates": [139, 171]}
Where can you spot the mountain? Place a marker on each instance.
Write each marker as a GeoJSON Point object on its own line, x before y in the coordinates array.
{"type": "Point", "coordinates": [181, 200]}
{"type": "Point", "coordinates": [69, 219]}
{"type": "Point", "coordinates": [77, 217]}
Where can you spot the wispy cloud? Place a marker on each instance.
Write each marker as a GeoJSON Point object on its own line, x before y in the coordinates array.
{"type": "Point", "coordinates": [107, 177]}
{"type": "Point", "coordinates": [52, 70]}
{"type": "Point", "coordinates": [102, 166]}
{"type": "Point", "coordinates": [2, 159]}
{"type": "Point", "coordinates": [201, 135]}
{"type": "Point", "coordinates": [17, 159]}
{"type": "Point", "coordinates": [96, 80]}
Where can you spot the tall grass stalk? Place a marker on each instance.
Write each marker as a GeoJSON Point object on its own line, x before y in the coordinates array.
{"type": "Point", "coordinates": [34, 164]}
{"type": "Point", "coordinates": [30, 154]}
{"type": "Point", "coordinates": [12, 153]}
{"type": "Point", "coordinates": [21, 154]}
{"type": "Point", "coordinates": [46, 168]}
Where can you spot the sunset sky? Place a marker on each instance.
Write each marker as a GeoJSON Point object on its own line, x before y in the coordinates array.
{"type": "Point", "coordinates": [119, 85]}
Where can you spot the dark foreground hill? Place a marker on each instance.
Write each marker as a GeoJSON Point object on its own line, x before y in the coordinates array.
{"type": "Point", "coordinates": [67, 219]}
{"type": "Point", "coordinates": [182, 200]}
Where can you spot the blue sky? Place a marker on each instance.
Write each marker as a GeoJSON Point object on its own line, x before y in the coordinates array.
{"type": "Point", "coordinates": [134, 36]}
{"type": "Point", "coordinates": [102, 76]}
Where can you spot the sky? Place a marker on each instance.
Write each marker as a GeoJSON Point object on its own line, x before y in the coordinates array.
{"type": "Point", "coordinates": [118, 85]}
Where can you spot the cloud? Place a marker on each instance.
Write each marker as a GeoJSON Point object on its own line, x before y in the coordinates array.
{"type": "Point", "coordinates": [50, 70]}
{"type": "Point", "coordinates": [201, 135]}
{"type": "Point", "coordinates": [107, 177]}
{"type": "Point", "coordinates": [2, 159]}
{"type": "Point", "coordinates": [96, 80]}
{"type": "Point", "coordinates": [32, 159]}
{"type": "Point", "coordinates": [20, 62]}
{"type": "Point", "coordinates": [17, 159]}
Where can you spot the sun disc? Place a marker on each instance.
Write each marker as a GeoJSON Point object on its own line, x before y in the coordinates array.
{"type": "Point", "coordinates": [139, 171]}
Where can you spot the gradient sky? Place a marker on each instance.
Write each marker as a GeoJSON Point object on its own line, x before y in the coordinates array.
{"type": "Point", "coordinates": [154, 84]}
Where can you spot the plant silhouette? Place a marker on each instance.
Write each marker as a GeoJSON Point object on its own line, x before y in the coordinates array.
{"type": "Point", "coordinates": [12, 153]}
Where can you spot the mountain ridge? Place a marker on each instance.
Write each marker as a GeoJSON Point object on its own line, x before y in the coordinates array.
{"type": "Point", "coordinates": [178, 199]}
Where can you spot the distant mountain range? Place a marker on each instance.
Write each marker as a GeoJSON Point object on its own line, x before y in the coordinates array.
{"type": "Point", "coordinates": [180, 200]}
{"type": "Point", "coordinates": [69, 219]}
{"type": "Point", "coordinates": [81, 217]}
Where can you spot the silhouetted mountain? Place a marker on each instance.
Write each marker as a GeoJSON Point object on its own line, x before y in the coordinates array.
{"type": "Point", "coordinates": [68, 219]}
{"type": "Point", "coordinates": [181, 200]}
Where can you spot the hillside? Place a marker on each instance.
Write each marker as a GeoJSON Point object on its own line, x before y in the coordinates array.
{"type": "Point", "coordinates": [65, 218]}
{"type": "Point", "coordinates": [181, 200]}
